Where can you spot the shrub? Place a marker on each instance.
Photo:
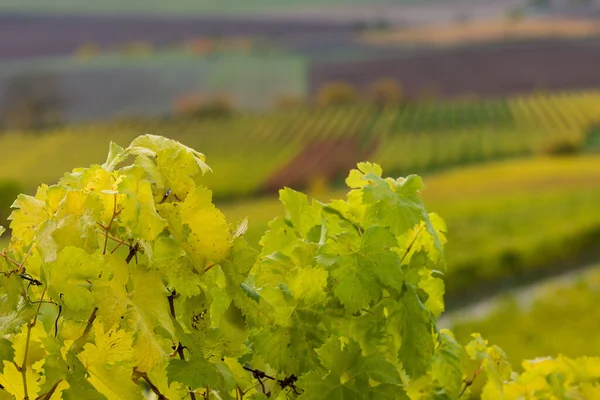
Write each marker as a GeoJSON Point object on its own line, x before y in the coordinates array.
{"type": "Point", "coordinates": [385, 91]}
{"type": "Point", "coordinates": [336, 94]}
{"type": "Point", "coordinates": [192, 106]}
{"type": "Point", "coordinates": [561, 147]}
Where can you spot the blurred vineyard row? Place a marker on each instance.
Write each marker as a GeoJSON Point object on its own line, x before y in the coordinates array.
{"type": "Point", "coordinates": [298, 147]}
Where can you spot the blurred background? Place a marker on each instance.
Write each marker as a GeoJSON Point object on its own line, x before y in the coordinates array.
{"type": "Point", "coordinates": [495, 102]}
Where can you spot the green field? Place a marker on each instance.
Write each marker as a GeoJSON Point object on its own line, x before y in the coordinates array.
{"type": "Point", "coordinates": [556, 318]}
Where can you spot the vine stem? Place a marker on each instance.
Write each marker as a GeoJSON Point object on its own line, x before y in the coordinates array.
{"type": "Point", "coordinates": [153, 387]}
{"type": "Point", "coordinates": [171, 299]}
{"type": "Point", "coordinates": [469, 382]}
{"type": "Point", "coordinates": [29, 328]}
{"type": "Point", "coordinates": [112, 219]}
{"type": "Point", "coordinates": [48, 395]}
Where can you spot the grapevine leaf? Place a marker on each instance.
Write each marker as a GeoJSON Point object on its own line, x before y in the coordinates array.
{"type": "Point", "coordinates": [228, 339]}
{"type": "Point", "coordinates": [12, 381]}
{"type": "Point", "coordinates": [356, 177]}
{"type": "Point", "coordinates": [210, 236]}
{"type": "Point", "coordinates": [172, 261]}
{"type": "Point", "coordinates": [138, 209]}
{"type": "Point", "coordinates": [13, 320]}
{"type": "Point", "coordinates": [237, 267]}
{"type": "Point", "coordinates": [7, 352]}
{"type": "Point", "coordinates": [397, 205]}
{"type": "Point", "coordinates": [108, 362]}
{"type": "Point", "coordinates": [67, 278]}
{"type": "Point", "coordinates": [30, 213]}
{"type": "Point", "coordinates": [2, 230]}
{"type": "Point", "coordinates": [116, 155]}
{"type": "Point", "coordinates": [358, 263]}
{"type": "Point", "coordinates": [409, 319]}
{"type": "Point", "coordinates": [302, 215]}
{"type": "Point", "coordinates": [55, 367]}
{"type": "Point", "coordinates": [349, 373]}
{"type": "Point", "coordinates": [196, 373]}
{"type": "Point", "coordinates": [13, 286]}
{"type": "Point", "coordinates": [79, 386]}
{"type": "Point", "coordinates": [141, 310]}
{"type": "Point", "coordinates": [493, 359]}
{"type": "Point", "coordinates": [448, 363]}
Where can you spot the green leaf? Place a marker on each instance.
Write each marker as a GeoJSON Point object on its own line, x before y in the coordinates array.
{"type": "Point", "coordinates": [79, 386]}
{"type": "Point", "coordinates": [362, 266]}
{"type": "Point", "coordinates": [116, 155]}
{"type": "Point", "coordinates": [448, 363]}
{"type": "Point", "coordinates": [195, 373]}
{"type": "Point", "coordinates": [138, 213]}
{"type": "Point", "coordinates": [68, 278]}
{"type": "Point", "coordinates": [12, 320]}
{"type": "Point", "coordinates": [409, 319]}
{"type": "Point", "coordinates": [302, 215]}
{"type": "Point", "coordinates": [7, 353]}
{"type": "Point", "coordinates": [55, 367]}
{"type": "Point", "coordinates": [210, 237]}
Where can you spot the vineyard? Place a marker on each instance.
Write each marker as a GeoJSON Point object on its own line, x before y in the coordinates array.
{"type": "Point", "coordinates": [124, 281]}
{"type": "Point", "coordinates": [260, 153]}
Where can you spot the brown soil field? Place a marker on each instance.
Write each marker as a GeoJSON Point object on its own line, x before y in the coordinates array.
{"type": "Point", "coordinates": [482, 70]}
{"type": "Point", "coordinates": [485, 31]}
{"type": "Point", "coordinates": [320, 159]}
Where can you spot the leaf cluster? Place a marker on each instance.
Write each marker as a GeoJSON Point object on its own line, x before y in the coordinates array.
{"type": "Point", "coordinates": [123, 279]}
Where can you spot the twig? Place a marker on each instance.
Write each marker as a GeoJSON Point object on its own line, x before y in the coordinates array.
{"type": "Point", "coordinates": [469, 382]}
{"type": "Point", "coordinates": [7, 258]}
{"type": "Point", "coordinates": [153, 387]}
{"type": "Point", "coordinates": [171, 299]}
{"type": "Point", "coordinates": [166, 196]}
{"type": "Point", "coordinates": [78, 344]}
{"type": "Point", "coordinates": [210, 266]}
{"type": "Point", "coordinates": [114, 215]}
{"type": "Point", "coordinates": [30, 326]}
{"type": "Point", "coordinates": [31, 280]}
{"type": "Point", "coordinates": [411, 244]}
{"type": "Point", "coordinates": [48, 395]}
{"type": "Point", "coordinates": [22, 265]}
{"type": "Point", "coordinates": [132, 252]}
{"type": "Point", "coordinates": [56, 321]}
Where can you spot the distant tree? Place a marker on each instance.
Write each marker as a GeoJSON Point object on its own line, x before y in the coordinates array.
{"type": "Point", "coordinates": [87, 51]}
{"type": "Point", "coordinates": [385, 91]}
{"type": "Point", "coordinates": [138, 48]}
{"type": "Point", "coordinates": [193, 106]}
{"type": "Point", "coordinates": [336, 94]}
{"type": "Point", "coordinates": [34, 101]}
